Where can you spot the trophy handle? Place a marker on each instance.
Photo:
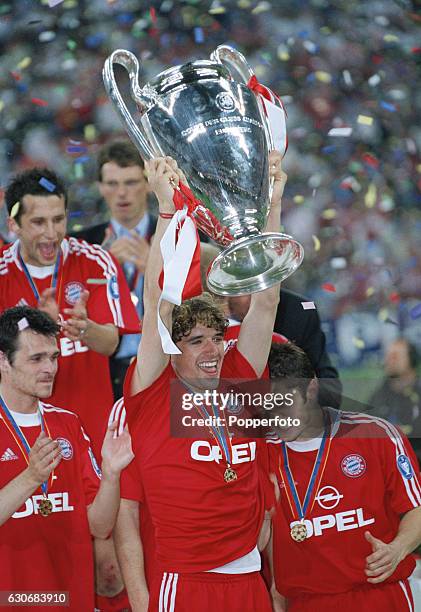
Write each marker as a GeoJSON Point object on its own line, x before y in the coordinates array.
{"type": "Point", "coordinates": [224, 54]}
{"type": "Point", "coordinates": [144, 102]}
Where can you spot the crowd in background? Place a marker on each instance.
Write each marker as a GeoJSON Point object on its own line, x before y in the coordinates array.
{"type": "Point", "coordinates": [353, 196]}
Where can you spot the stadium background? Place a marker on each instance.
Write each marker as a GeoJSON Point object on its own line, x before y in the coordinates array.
{"type": "Point", "coordinates": [353, 201]}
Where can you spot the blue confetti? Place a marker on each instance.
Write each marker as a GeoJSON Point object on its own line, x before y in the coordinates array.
{"type": "Point", "coordinates": [48, 185]}
{"type": "Point", "coordinates": [329, 149]}
{"type": "Point", "coordinates": [415, 312]}
{"type": "Point", "coordinates": [199, 36]}
{"type": "Point", "coordinates": [387, 106]}
{"type": "Point", "coordinates": [76, 149]}
{"type": "Point", "coordinates": [83, 159]}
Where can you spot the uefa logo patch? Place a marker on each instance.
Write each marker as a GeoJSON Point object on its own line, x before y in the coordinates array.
{"type": "Point", "coordinates": [405, 467]}
{"type": "Point", "coordinates": [65, 448]}
{"type": "Point", "coordinates": [113, 288]}
{"type": "Point", "coordinates": [224, 101]}
{"type": "Point", "coordinates": [353, 466]}
{"type": "Point", "coordinates": [72, 292]}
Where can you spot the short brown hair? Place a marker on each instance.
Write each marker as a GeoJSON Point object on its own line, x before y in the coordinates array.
{"type": "Point", "coordinates": [122, 152]}
{"type": "Point", "coordinates": [202, 310]}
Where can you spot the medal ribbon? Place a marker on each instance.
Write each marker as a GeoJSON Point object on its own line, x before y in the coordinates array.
{"type": "Point", "coordinates": [224, 441]}
{"type": "Point", "coordinates": [30, 279]}
{"type": "Point", "coordinates": [301, 510]}
{"type": "Point", "coordinates": [20, 439]}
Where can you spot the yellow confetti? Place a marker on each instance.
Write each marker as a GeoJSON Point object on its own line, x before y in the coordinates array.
{"type": "Point", "coordinates": [391, 38]}
{"type": "Point", "coordinates": [329, 213]}
{"type": "Point", "coordinates": [243, 4]}
{"type": "Point", "coordinates": [261, 7]}
{"type": "Point", "coordinates": [24, 63]}
{"type": "Point", "coordinates": [383, 314]}
{"type": "Point", "coordinates": [419, 168]}
{"type": "Point", "coordinates": [298, 199]}
{"type": "Point", "coordinates": [316, 243]}
{"type": "Point", "coordinates": [358, 342]}
{"type": "Point", "coordinates": [370, 197]}
{"type": "Point", "coordinates": [283, 54]}
{"type": "Point", "coordinates": [370, 291]}
{"type": "Point", "coordinates": [89, 132]}
{"type": "Point", "coordinates": [323, 76]}
{"type": "Point", "coordinates": [365, 120]}
{"type": "Point", "coordinates": [1, 105]}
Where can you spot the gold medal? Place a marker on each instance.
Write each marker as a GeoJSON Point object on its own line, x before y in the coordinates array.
{"type": "Point", "coordinates": [299, 532]}
{"type": "Point", "coordinates": [230, 474]}
{"type": "Point", "coordinates": [45, 507]}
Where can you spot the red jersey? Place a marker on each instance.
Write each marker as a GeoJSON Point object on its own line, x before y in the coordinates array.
{"type": "Point", "coordinates": [201, 522]}
{"type": "Point", "coordinates": [371, 477]}
{"type": "Point", "coordinates": [52, 553]}
{"type": "Point", "coordinates": [83, 382]}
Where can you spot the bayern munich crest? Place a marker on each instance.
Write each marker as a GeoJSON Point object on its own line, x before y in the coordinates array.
{"type": "Point", "coordinates": [353, 466]}
{"type": "Point", "coordinates": [65, 448]}
{"type": "Point", "coordinates": [72, 292]}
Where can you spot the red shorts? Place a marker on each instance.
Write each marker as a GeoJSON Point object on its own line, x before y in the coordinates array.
{"type": "Point", "coordinates": [209, 591]}
{"type": "Point", "coordinates": [391, 597]}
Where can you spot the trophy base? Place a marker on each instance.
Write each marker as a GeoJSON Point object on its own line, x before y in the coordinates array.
{"type": "Point", "coordinates": [254, 263]}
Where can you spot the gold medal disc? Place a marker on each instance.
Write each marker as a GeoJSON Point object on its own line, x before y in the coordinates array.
{"type": "Point", "coordinates": [230, 474]}
{"type": "Point", "coordinates": [45, 507]}
{"type": "Point", "coordinates": [299, 532]}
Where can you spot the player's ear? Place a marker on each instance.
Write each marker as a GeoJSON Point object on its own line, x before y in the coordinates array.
{"type": "Point", "coordinates": [313, 390]}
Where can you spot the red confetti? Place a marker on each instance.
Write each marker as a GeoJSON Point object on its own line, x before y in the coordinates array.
{"type": "Point", "coordinates": [329, 287]}
{"type": "Point", "coordinates": [416, 50]}
{"type": "Point", "coordinates": [16, 75]}
{"type": "Point", "coordinates": [39, 102]}
{"type": "Point", "coordinates": [152, 13]}
{"type": "Point", "coordinates": [370, 160]}
{"type": "Point", "coordinates": [394, 297]}
{"type": "Point", "coordinates": [377, 59]}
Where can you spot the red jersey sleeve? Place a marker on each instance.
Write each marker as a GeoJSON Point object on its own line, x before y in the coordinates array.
{"type": "Point", "coordinates": [110, 301]}
{"type": "Point", "coordinates": [131, 483]}
{"type": "Point", "coordinates": [401, 471]}
{"type": "Point", "coordinates": [91, 473]}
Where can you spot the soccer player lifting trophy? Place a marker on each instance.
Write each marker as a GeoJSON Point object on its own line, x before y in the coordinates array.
{"type": "Point", "coordinates": [213, 118]}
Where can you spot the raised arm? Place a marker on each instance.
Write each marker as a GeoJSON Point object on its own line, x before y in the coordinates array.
{"type": "Point", "coordinates": [130, 554]}
{"type": "Point", "coordinates": [256, 330]}
{"type": "Point", "coordinates": [162, 174]}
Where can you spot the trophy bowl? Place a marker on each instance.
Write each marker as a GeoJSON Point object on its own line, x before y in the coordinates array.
{"type": "Point", "coordinates": [204, 116]}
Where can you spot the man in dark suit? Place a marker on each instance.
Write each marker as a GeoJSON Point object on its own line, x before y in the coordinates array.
{"type": "Point", "coordinates": [122, 184]}
{"type": "Point", "coordinates": [303, 327]}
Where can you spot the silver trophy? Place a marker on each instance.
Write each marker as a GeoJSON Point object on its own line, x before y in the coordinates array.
{"type": "Point", "coordinates": [204, 116]}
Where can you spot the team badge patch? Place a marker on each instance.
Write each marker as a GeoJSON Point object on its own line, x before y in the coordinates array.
{"type": "Point", "coordinates": [113, 288]}
{"type": "Point", "coordinates": [224, 101]}
{"type": "Point", "coordinates": [405, 467]}
{"type": "Point", "coordinates": [72, 292]}
{"type": "Point", "coordinates": [65, 448]}
{"type": "Point", "coordinates": [353, 466]}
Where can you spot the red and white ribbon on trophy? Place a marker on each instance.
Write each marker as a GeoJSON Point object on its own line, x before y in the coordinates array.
{"type": "Point", "coordinates": [275, 113]}
{"type": "Point", "coordinates": [180, 247]}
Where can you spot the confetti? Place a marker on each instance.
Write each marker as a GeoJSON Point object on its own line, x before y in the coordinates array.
{"type": "Point", "coordinates": [39, 102]}
{"type": "Point", "coordinates": [329, 287]}
{"type": "Point", "coordinates": [298, 199]}
{"type": "Point", "coordinates": [24, 63]}
{"type": "Point", "coordinates": [340, 131]}
{"type": "Point", "coordinates": [316, 243]}
{"type": "Point", "coordinates": [394, 297]}
{"type": "Point", "coordinates": [322, 76]}
{"type": "Point", "coordinates": [415, 312]}
{"type": "Point", "coordinates": [387, 106]}
{"type": "Point", "coordinates": [15, 209]}
{"type": "Point", "coordinates": [370, 197]}
{"type": "Point", "coordinates": [48, 185]}
{"type": "Point", "coordinates": [358, 342]}
{"type": "Point", "coordinates": [53, 3]}
{"type": "Point", "coordinates": [338, 263]}
{"type": "Point", "coordinates": [329, 213]}
{"type": "Point", "coordinates": [1, 105]}
{"type": "Point", "coordinates": [76, 149]}
{"type": "Point", "coordinates": [365, 120]}
{"type": "Point", "coordinates": [371, 160]}
{"type": "Point", "coordinates": [370, 291]}
{"type": "Point", "coordinates": [89, 132]}
{"type": "Point", "coordinates": [374, 80]}
{"type": "Point", "coordinates": [347, 78]}
{"type": "Point", "coordinates": [199, 36]}
{"type": "Point", "coordinates": [23, 323]}
{"type": "Point", "coordinates": [308, 305]}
